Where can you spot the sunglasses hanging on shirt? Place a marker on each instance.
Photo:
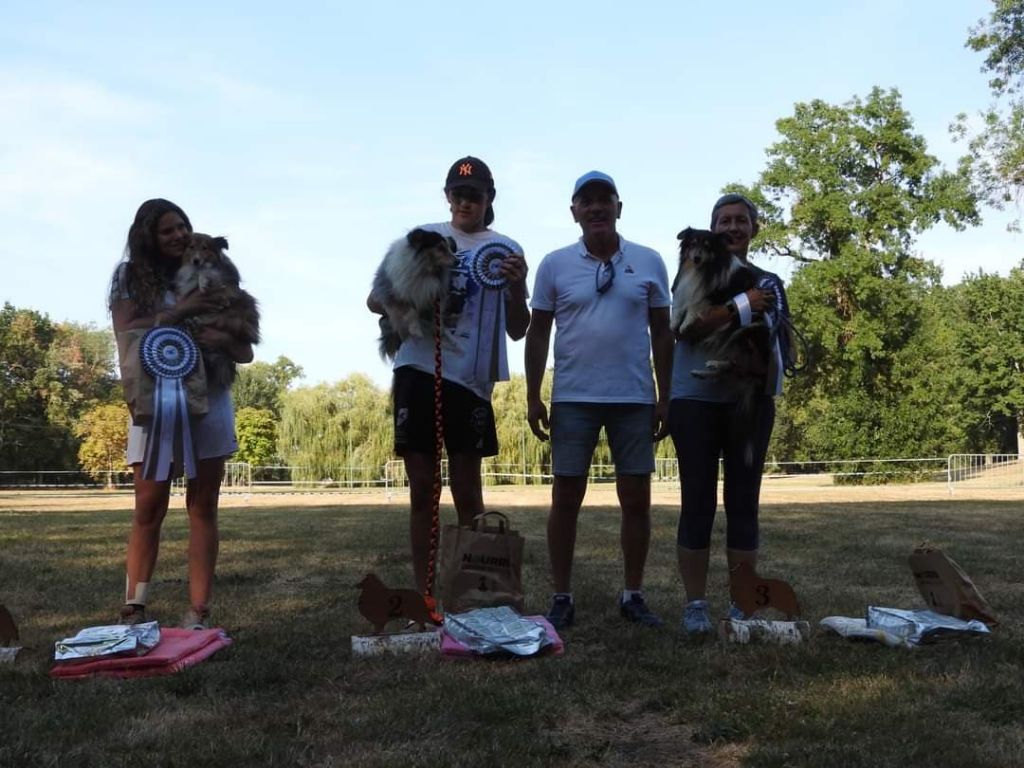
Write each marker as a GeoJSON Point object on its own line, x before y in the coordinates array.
{"type": "Point", "coordinates": [605, 276]}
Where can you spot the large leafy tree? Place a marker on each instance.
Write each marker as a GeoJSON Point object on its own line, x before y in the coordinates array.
{"type": "Point", "coordinates": [996, 149]}
{"type": "Point", "coordinates": [50, 374]}
{"type": "Point", "coordinates": [855, 177]}
{"type": "Point", "coordinates": [846, 189]}
{"type": "Point", "coordinates": [989, 335]}
{"type": "Point", "coordinates": [27, 439]}
{"type": "Point", "coordinates": [263, 385]}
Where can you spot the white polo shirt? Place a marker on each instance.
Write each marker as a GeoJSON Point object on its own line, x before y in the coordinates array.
{"type": "Point", "coordinates": [602, 342]}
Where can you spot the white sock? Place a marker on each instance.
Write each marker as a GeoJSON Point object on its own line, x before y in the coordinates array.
{"type": "Point", "coordinates": [627, 594]}
{"type": "Point", "coordinates": [565, 594]}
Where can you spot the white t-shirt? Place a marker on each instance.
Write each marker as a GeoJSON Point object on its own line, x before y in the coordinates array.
{"type": "Point", "coordinates": [461, 318]}
{"type": "Point", "coordinates": [602, 340]}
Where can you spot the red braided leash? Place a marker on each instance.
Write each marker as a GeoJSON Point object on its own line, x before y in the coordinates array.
{"type": "Point", "coordinates": [435, 520]}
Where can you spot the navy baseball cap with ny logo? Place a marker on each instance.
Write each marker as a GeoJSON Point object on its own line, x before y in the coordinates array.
{"type": "Point", "coordinates": [470, 172]}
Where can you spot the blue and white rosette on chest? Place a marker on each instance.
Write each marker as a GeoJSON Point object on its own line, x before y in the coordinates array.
{"type": "Point", "coordinates": [485, 268]}
{"type": "Point", "coordinates": [168, 355]}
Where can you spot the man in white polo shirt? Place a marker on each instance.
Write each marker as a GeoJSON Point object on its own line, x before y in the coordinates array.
{"type": "Point", "coordinates": [609, 301]}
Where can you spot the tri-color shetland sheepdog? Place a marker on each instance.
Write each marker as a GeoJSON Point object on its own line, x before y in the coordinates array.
{"type": "Point", "coordinates": [710, 275]}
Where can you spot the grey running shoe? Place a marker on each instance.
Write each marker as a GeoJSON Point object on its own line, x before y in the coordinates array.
{"type": "Point", "coordinates": [696, 619]}
{"type": "Point", "coordinates": [196, 619]}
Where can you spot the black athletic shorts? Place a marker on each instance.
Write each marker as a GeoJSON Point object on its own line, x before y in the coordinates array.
{"type": "Point", "coordinates": [468, 419]}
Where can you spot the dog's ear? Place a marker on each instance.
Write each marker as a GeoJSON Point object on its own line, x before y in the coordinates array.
{"type": "Point", "coordinates": [720, 242]}
{"type": "Point", "coordinates": [220, 242]}
{"type": "Point", "coordinates": [452, 244]}
{"type": "Point", "coordinates": [417, 238]}
{"type": "Point", "coordinates": [685, 233]}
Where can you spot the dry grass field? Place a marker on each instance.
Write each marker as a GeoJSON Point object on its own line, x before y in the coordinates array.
{"type": "Point", "coordinates": [290, 693]}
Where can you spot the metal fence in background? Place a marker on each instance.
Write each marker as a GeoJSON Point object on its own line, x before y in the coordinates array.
{"type": "Point", "coordinates": [988, 471]}
{"type": "Point", "coordinates": [984, 470]}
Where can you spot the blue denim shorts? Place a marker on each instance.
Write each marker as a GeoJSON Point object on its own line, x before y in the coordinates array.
{"type": "Point", "coordinates": [575, 428]}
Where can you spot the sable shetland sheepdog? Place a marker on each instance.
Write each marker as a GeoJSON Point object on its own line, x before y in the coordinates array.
{"type": "Point", "coordinates": [410, 279]}
{"type": "Point", "coordinates": [708, 274]}
{"type": "Point", "coordinates": [206, 268]}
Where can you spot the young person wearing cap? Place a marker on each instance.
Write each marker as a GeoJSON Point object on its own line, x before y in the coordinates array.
{"type": "Point", "coordinates": [470, 362]}
{"type": "Point", "coordinates": [701, 418]}
{"type": "Point", "coordinates": [609, 301]}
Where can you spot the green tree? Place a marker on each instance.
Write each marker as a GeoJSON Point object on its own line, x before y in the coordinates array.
{"type": "Point", "coordinates": [855, 176]}
{"type": "Point", "coordinates": [104, 433]}
{"type": "Point", "coordinates": [50, 374]}
{"type": "Point", "coordinates": [257, 436]}
{"type": "Point", "coordinates": [78, 372]}
{"type": "Point", "coordinates": [846, 189]}
{"type": "Point", "coordinates": [990, 349]}
{"type": "Point", "coordinates": [337, 431]}
{"type": "Point", "coordinates": [519, 451]}
{"type": "Point", "coordinates": [995, 151]}
{"type": "Point", "coordinates": [263, 385]}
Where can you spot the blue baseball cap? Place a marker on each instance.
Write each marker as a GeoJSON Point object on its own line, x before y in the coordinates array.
{"type": "Point", "coordinates": [591, 177]}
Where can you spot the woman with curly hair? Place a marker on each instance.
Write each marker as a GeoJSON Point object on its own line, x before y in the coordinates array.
{"type": "Point", "coordinates": [141, 296]}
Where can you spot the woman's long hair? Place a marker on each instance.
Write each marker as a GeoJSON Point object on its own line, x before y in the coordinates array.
{"type": "Point", "coordinates": [146, 278]}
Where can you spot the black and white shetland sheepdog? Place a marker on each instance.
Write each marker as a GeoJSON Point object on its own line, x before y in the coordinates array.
{"type": "Point", "coordinates": [411, 278]}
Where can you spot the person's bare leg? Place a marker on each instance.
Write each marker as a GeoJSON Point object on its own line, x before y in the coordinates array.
{"type": "Point", "coordinates": [635, 532]}
{"type": "Point", "coordinates": [201, 498]}
{"type": "Point", "coordinates": [566, 499]}
{"type": "Point", "coordinates": [151, 501]}
{"type": "Point", "coordinates": [466, 486]}
{"type": "Point", "coordinates": [419, 468]}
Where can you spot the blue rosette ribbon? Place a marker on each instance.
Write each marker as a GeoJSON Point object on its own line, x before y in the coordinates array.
{"type": "Point", "coordinates": [168, 354]}
{"type": "Point", "coordinates": [484, 265]}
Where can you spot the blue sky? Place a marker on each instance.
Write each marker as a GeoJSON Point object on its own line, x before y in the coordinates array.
{"type": "Point", "coordinates": [312, 134]}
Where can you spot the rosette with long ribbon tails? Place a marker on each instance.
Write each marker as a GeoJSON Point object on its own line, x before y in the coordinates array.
{"type": "Point", "coordinates": [485, 267]}
{"type": "Point", "coordinates": [168, 354]}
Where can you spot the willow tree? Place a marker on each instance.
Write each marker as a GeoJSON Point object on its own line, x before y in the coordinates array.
{"type": "Point", "coordinates": [334, 432]}
{"type": "Point", "coordinates": [519, 451]}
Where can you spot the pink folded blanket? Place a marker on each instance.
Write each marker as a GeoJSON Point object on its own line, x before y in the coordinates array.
{"type": "Point", "coordinates": [177, 649]}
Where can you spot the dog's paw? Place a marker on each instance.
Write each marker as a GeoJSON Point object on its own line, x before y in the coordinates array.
{"type": "Point", "coordinates": [713, 369]}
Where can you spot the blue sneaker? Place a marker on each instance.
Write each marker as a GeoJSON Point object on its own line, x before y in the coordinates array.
{"type": "Point", "coordinates": [562, 612]}
{"type": "Point", "coordinates": [636, 611]}
{"type": "Point", "coordinates": [696, 619]}
{"type": "Point", "coordinates": [737, 614]}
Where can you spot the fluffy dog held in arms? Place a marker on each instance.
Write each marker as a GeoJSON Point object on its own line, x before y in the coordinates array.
{"type": "Point", "coordinates": [207, 269]}
{"type": "Point", "coordinates": [407, 285]}
{"type": "Point", "coordinates": [709, 274]}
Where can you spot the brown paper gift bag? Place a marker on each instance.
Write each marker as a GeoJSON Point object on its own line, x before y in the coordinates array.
{"type": "Point", "coordinates": [138, 385]}
{"type": "Point", "coordinates": [481, 565]}
{"type": "Point", "coordinates": [946, 588]}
